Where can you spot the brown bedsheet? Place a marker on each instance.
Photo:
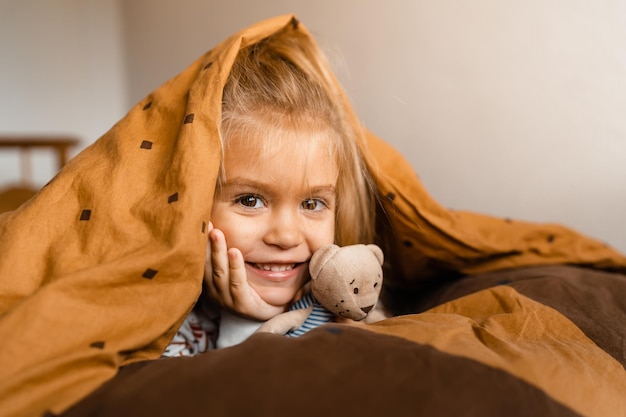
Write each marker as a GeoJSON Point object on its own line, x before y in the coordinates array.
{"type": "Point", "coordinates": [100, 267]}
{"type": "Point", "coordinates": [535, 341]}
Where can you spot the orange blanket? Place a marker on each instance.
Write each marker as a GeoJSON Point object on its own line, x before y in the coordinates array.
{"type": "Point", "coordinates": [99, 269]}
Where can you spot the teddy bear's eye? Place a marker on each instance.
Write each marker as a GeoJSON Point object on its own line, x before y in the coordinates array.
{"type": "Point", "coordinates": [356, 290]}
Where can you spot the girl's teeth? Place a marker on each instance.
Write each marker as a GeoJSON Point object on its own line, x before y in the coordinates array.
{"type": "Point", "coordinates": [275, 268]}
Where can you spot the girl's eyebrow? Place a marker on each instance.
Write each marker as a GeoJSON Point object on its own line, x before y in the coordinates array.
{"type": "Point", "coordinates": [322, 189]}
{"type": "Point", "coordinates": [248, 183]}
{"type": "Point", "coordinates": [275, 187]}
{"type": "Point", "coordinates": [242, 182]}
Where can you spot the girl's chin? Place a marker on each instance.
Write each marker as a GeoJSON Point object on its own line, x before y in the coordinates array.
{"type": "Point", "coordinates": [278, 289]}
{"type": "Point", "coordinates": [277, 297]}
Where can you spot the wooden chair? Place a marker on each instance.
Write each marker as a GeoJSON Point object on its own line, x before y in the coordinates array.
{"type": "Point", "coordinates": [13, 196]}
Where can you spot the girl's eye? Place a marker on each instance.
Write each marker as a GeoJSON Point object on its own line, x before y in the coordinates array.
{"type": "Point", "coordinates": [313, 204]}
{"type": "Point", "coordinates": [250, 201]}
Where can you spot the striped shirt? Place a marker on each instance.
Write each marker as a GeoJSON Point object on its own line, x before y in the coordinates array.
{"type": "Point", "coordinates": [318, 316]}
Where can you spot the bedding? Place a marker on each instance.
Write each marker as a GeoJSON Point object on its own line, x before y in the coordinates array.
{"type": "Point", "coordinates": [97, 271]}
{"type": "Point", "coordinates": [533, 341]}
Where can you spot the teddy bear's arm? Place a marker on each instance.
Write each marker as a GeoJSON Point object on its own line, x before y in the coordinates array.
{"type": "Point", "coordinates": [286, 322]}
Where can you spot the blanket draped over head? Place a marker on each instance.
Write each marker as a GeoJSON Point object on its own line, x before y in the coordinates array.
{"type": "Point", "coordinates": [100, 268]}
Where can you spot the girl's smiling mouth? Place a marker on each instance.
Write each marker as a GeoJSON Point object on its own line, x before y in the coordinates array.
{"type": "Point", "coordinates": [275, 267]}
{"type": "Point", "coordinates": [276, 272]}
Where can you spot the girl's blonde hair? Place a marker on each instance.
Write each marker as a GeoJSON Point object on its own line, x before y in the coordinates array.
{"type": "Point", "coordinates": [284, 82]}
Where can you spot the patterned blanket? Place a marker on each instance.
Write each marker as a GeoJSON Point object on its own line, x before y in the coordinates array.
{"type": "Point", "coordinates": [99, 269]}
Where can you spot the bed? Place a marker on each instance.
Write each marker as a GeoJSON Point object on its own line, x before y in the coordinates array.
{"type": "Point", "coordinates": [491, 316]}
{"type": "Point", "coordinates": [534, 341]}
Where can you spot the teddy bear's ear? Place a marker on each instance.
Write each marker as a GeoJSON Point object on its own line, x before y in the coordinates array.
{"type": "Point", "coordinates": [378, 252]}
{"type": "Point", "coordinates": [320, 257]}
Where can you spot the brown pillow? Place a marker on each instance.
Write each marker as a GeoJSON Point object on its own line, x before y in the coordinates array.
{"type": "Point", "coordinates": [334, 370]}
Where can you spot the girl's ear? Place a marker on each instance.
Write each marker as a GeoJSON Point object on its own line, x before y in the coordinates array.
{"type": "Point", "coordinates": [378, 252]}
{"type": "Point", "coordinates": [320, 257]}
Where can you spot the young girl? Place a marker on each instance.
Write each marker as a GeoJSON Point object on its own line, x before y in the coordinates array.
{"type": "Point", "coordinates": [292, 180]}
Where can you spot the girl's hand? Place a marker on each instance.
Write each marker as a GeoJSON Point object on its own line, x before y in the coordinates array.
{"type": "Point", "coordinates": [227, 281]}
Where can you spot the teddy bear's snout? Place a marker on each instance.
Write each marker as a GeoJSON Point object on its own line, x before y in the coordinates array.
{"type": "Point", "coordinates": [367, 309]}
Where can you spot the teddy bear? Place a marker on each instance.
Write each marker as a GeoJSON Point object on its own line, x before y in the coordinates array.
{"type": "Point", "coordinates": [345, 282]}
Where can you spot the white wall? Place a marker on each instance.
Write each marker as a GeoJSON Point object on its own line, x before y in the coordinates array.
{"type": "Point", "coordinates": [503, 107]}
{"type": "Point", "coordinates": [61, 72]}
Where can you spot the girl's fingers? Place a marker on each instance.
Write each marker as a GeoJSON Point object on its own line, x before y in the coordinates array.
{"type": "Point", "coordinates": [245, 300]}
{"type": "Point", "coordinates": [238, 278]}
{"type": "Point", "coordinates": [227, 281]}
{"type": "Point", "coordinates": [219, 273]}
{"type": "Point", "coordinates": [208, 272]}
{"type": "Point", "coordinates": [240, 291]}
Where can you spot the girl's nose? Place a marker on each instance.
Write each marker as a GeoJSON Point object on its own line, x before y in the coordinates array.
{"type": "Point", "coordinates": [285, 230]}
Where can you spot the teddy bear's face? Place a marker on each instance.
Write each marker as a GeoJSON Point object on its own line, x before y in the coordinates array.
{"type": "Point", "coordinates": [349, 281]}
{"type": "Point", "coordinates": [355, 299]}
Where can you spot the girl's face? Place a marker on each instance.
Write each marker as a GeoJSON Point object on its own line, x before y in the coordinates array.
{"type": "Point", "coordinates": [277, 207]}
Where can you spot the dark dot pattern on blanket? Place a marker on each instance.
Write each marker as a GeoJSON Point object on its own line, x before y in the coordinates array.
{"type": "Point", "coordinates": [391, 196]}
{"type": "Point", "coordinates": [189, 118]}
{"type": "Point", "coordinates": [550, 238]}
{"type": "Point", "coordinates": [407, 243]}
{"type": "Point", "coordinates": [203, 227]}
{"type": "Point", "coordinates": [85, 215]}
{"type": "Point", "coordinates": [148, 105]}
{"type": "Point", "coordinates": [149, 273]}
{"type": "Point", "coordinates": [48, 414]}
{"type": "Point", "coordinates": [207, 66]}
{"type": "Point", "coordinates": [146, 144]}
{"type": "Point", "coordinates": [98, 345]}
{"type": "Point", "coordinates": [173, 198]}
